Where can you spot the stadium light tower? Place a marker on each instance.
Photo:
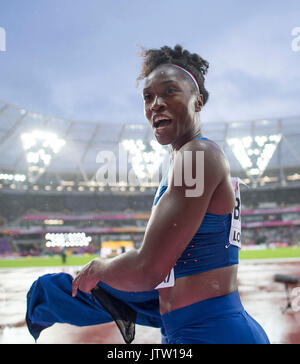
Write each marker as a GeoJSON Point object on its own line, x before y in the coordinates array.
{"type": "Point", "coordinates": [40, 147]}
{"type": "Point", "coordinates": [145, 158]}
{"type": "Point", "coordinates": [254, 153]}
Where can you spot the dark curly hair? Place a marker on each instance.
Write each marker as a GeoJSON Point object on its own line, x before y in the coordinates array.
{"type": "Point", "coordinates": [178, 56]}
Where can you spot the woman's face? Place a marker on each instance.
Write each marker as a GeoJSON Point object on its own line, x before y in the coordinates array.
{"type": "Point", "coordinates": [171, 104]}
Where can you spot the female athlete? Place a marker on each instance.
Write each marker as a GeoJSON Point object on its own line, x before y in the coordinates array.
{"type": "Point", "coordinates": [189, 229]}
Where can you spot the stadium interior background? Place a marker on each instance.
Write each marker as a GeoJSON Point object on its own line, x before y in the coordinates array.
{"type": "Point", "coordinates": [52, 198]}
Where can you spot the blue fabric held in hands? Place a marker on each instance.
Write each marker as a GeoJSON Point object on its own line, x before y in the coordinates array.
{"type": "Point", "coordinates": [50, 301]}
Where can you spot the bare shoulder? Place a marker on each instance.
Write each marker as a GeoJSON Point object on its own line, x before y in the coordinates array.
{"type": "Point", "coordinates": [199, 165]}
{"type": "Point", "coordinates": [214, 156]}
{"type": "Point", "coordinates": [203, 145]}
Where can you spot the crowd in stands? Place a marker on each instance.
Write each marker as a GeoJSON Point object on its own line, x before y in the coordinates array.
{"type": "Point", "coordinates": [254, 198]}
{"type": "Point", "coordinates": [14, 206]}
{"type": "Point", "coordinates": [283, 235]}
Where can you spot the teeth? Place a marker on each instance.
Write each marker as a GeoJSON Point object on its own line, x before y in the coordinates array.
{"type": "Point", "coordinates": [159, 118]}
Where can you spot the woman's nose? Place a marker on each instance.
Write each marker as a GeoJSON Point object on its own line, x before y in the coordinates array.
{"type": "Point", "coordinates": [158, 103]}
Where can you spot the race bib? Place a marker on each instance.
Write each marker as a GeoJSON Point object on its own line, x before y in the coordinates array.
{"type": "Point", "coordinates": [168, 282]}
{"type": "Point", "coordinates": [236, 226]}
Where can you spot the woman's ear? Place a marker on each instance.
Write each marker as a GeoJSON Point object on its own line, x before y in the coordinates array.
{"type": "Point", "coordinates": [199, 103]}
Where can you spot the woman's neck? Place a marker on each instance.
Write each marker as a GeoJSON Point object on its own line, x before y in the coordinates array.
{"type": "Point", "coordinates": [182, 140]}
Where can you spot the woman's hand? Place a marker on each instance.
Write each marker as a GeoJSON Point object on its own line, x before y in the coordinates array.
{"type": "Point", "coordinates": [88, 277]}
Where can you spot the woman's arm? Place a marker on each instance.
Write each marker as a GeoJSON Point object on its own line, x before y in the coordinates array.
{"type": "Point", "coordinates": [172, 225]}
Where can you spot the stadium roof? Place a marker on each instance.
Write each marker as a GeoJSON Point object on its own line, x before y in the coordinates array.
{"type": "Point", "coordinates": [244, 143]}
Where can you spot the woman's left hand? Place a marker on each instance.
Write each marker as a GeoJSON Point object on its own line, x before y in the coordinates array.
{"type": "Point", "coordinates": [88, 277]}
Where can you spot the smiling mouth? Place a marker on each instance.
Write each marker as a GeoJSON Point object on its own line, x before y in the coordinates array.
{"type": "Point", "coordinates": [162, 123]}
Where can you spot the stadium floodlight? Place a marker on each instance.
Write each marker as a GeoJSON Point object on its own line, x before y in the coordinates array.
{"type": "Point", "coordinates": [40, 147]}
{"type": "Point", "coordinates": [67, 240]}
{"type": "Point", "coordinates": [254, 154]}
{"type": "Point", "coordinates": [267, 179]}
{"type": "Point", "coordinates": [294, 177]}
{"type": "Point", "coordinates": [53, 222]}
{"type": "Point", "coordinates": [240, 152]}
{"type": "Point", "coordinates": [145, 158]}
{"type": "Point", "coordinates": [12, 177]}
{"type": "Point", "coordinates": [19, 177]}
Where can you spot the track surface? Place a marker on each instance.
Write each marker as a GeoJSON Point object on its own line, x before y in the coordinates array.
{"type": "Point", "coordinates": [261, 296]}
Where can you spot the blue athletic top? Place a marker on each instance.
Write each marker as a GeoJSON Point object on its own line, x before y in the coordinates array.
{"type": "Point", "coordinates": [209, 248]}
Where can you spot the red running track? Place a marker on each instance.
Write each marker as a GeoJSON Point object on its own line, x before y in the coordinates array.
{"type": "Point", "coordinates": [261, 296]}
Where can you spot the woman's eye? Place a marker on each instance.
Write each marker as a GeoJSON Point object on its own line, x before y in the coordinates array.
{"type": "Point", "coordinates": [147, 96]}
{"type": "Point", "coordinates": [170, 90]}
